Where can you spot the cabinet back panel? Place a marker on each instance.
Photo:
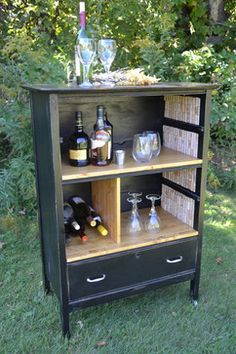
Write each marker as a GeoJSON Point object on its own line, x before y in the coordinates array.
{"type": "Point", "coordinates": [82, 190]}
{"type": "Point", "coordinates": [147, 184]}
{"type": "Point", "coordinates": [128, 115]}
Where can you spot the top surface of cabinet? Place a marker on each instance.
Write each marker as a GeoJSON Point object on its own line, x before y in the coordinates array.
{"type": "Point", "coordinates": [184, 87]}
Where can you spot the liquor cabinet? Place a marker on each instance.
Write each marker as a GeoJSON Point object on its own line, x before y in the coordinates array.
{"type": "Point", "coordinates": [105, 268]}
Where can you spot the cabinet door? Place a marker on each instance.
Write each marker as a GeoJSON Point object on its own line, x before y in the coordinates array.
{"type": "Point", "coordinates": [95, 276]}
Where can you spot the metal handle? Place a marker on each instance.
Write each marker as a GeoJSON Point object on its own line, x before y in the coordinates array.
{"type": "Point", "coordinates": [96, 279]}
{"type": "Point", "coordinates": [174, 260]}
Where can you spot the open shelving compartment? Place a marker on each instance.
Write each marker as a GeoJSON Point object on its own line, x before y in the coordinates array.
{"type": "Point", "coordinates": [173, 174]}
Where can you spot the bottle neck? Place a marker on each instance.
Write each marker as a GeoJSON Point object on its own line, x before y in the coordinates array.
{"type": "Point", "coordinates": [78, 128]}
{"type": "Point", "coordinates": [100, 122]}
{"type": "Point", "coordinates": [82, 19]}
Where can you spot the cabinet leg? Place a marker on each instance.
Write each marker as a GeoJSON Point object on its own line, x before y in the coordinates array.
{"type": "Point", "coordinates": [194, 289]}
{"type": "Point", "coordinates": [65, 321]}
{"type": "Point", "coordinates": [46, 285]}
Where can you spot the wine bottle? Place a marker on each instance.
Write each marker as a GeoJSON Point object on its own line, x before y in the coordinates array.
{"type": "Point", "coordinates": [99, 226]}
{"type": "Point", "coordinates": [72, 226]}
{"type": "Point", "coordinates": [109, 128]}
{"type": "Point", "coordinates": [81, 34]}
{"type": "Point", "coordinates": [81, 210]}
{"type": "Point", "coordinates": [79, 144]}
{"type": "Point", "coordinates": [100, 141]}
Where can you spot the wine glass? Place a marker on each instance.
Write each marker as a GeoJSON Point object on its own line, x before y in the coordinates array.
{"type": "Point", "coordinates": [156, 142]}
{"type": "Point", "coordinates": [107, 52]}
{"type": "Point", "coordinates": [153, 221]}
{"type": "Point", "coordinates": [134, 223]}
{"type": "Point", "coordinates": [135, 194]}
{"type": "Point", "coordinates": [142, 148]}
{"type": "Point", "coordinates": [70, 73]}
{"type": "Point", "coordinates": [87, 51]}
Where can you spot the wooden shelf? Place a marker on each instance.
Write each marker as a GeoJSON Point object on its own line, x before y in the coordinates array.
{"type": "Point", "coordinates": [171, 229]}
{"type": "Point", "coordinates": [167, 159]}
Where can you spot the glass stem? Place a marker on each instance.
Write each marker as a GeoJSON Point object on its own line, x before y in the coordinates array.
{"type": "Point", "coordinates": [86, 72]}
{"type": "Point", "coordinates": [107, 68]}
{"type": "Point", "coordinates": [153, 209]}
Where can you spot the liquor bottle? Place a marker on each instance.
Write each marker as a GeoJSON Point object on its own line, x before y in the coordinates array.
{"type": "Point", "coordinates": [101, 143]}
{"type": "Point", "coordinates": [73, 227]}
{"type": "Point", "coordinates": [99, 226]}
{"type": "Point", "coordinates": [79, 144]}
{"type": "Point", "coordinates": [81, 34]}
{"type": "Point", "coordinates": [109, 127]}
{"type": "Point", "coordinates": [81, 210]}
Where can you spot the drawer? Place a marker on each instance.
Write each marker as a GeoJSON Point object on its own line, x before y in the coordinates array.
{"type": "Point", "coordinates": [125, 269]}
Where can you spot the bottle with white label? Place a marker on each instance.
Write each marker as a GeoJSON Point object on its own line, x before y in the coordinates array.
{"type": "Point", "coordinates": [79, 144]}
{"type": "Point", "coordinates": [101, 141]}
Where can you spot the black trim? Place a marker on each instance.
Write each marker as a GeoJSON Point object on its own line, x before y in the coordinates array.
{"type": "Point", "coordinates": [181, 189]}
{"type": "Point", "coordinates": [199, 129]}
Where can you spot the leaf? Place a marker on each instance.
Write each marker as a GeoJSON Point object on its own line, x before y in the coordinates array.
{"type": "Point", "coordinates": [219, 260]}
{"type": "Point", "coordinates": [101, 343]}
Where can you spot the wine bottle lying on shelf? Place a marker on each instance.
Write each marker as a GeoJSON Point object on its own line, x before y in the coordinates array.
{"type": "Point", "coordinates": [86, 213]}
{"type": "Point", "coordinates": [72, 226]}
{"type": "Point", "coordinates": [99, 226]}
{"type": "Point", "coordinates": [81, 210]}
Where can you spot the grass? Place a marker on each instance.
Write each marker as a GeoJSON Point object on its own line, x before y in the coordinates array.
{"type": "Point", "coordinates": [161, 321]}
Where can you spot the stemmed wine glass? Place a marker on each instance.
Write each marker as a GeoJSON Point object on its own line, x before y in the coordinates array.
{"type": "Point", "coordinates": [87, 51]}
{"type": "Point", "coordinates": [153, 221]}
{"type": "Point", "coordinates": [134, 224]}
{"type": "Point", "coordinates": [107, 52]}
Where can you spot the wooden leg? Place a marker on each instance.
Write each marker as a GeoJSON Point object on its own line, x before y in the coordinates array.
{"type": "Point", "coordinates": [65, 321]}
{"type": "Point", "coordinates": [194, 288]}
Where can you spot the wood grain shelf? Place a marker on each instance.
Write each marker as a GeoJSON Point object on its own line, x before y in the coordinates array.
{"type": "Point", "coordinates": [171, 229]}
{"type": "Point", "coordinates": [168, 158]}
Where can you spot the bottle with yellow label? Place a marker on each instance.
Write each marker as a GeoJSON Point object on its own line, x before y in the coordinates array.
{"type": "Point", "coordinates": [79, 144]}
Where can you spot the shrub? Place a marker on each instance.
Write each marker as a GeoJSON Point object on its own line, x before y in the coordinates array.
{"type": "Point", "coordinates": [20, 64]}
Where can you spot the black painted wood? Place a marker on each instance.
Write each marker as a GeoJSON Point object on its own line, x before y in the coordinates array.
{"type": "Point", "coordinates": [131, 110]}
{"type": "Point", "coordinates": [154, 284]}
{"type": "Point", "coordinates": [104, 274]}
{"type": "Point", "coordinates": [161, 88]}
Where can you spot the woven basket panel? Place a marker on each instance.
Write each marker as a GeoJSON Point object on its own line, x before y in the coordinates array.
{"type": "Point", "coordinates": [178, 205]}
{"type": "Point", "coordinates": [186, 178]}
{"type": "Point", "coordinates": [180, 140]}
{"type": "Point", "coordinates": [186, 109]}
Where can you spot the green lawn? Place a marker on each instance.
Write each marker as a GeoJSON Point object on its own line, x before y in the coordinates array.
{"type": "Point", "coordinates": [161, 321]}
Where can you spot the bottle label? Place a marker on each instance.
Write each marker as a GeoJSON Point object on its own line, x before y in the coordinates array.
{"type": "Point", "coordinates": [109, 149]}
{"type": "Point", "coordinates": [78, 155]}
{"type": "Point", "coordinates": [97, 143]}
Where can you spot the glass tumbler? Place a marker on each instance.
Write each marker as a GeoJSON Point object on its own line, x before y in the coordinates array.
{"type": "Point", "coordinates": [156, 142]}
{"type": "Point", "coordinates": [142, 148]}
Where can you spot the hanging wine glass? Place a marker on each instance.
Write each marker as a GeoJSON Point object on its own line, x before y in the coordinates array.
{"type": "Point", "coordinates": [155, 142]}
{"type": "Point", "coordinates": [134, 223]}
{"type": "Point", "coordinates": [153, 221]}
{"type": "Point", "coordinates": [135, 194]}
{"type": "Point", "coordinates": [107, 52]}
{"type": "Point", "coordinates": [87, 52]}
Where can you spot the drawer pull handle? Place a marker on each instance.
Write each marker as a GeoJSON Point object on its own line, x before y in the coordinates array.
{"type": "Point", "coordinates": [174, 260]}
{"type": "Point", "coordinates": [95, 280]}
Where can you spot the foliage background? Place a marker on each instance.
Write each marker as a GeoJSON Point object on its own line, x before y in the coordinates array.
{"type": "Point", "coordinates": [172, 39]}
